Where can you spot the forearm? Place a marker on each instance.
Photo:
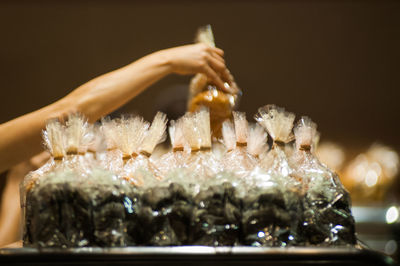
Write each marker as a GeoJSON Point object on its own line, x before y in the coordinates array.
{"type": "Point", "coordinates": [108, 92]}
{"type": "Point", "coordinates": [21, 137]}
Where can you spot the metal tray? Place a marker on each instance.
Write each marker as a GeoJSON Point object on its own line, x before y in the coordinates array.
{"type": "Point", "coordinates": [193, 255]}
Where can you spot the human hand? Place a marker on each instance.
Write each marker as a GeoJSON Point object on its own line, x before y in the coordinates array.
{"type": "Point", "coordinates": [201, 58]}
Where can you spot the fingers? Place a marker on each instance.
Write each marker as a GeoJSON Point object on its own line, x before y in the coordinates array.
{"type": "Point", "coordinates": [226, 75]}
{"type": "Point", "coordinates": [216, 64]}
{"type": "Point", "coordinates": [218, 57]}
{"type": "Point", "coordinates": [219, 67]}
{"type": "Point", "coordinates": [216, 70]}
{"type": "Point", "coordinates": [213, 76]}
{"type": "Point", "coordinates": [218, 51]}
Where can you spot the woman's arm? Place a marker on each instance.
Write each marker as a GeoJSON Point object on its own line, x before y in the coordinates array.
{"type": "Point", "coordinates": [20, 138]}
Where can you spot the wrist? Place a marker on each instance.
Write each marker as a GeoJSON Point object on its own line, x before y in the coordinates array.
{"type": "Point", "coordinates": [165, 60]}
{"type": "Point", "coordinates": [168, 60]}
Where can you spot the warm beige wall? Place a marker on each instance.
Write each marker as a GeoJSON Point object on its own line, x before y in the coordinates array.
{"type": "Point", "coordinates": [336, 61]}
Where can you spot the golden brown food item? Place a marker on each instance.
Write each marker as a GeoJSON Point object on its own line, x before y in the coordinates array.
{"type": "Point", "coordinates": [204, 94]}
{"type": "Point", "coordinates": [219, 105]}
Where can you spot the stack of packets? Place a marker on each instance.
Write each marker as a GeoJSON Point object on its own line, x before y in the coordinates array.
{"type": "Point", "coordinates": [104, 187]}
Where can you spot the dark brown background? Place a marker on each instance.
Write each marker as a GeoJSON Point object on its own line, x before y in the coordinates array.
{"type": "Point", "coordinates": [336, 61]}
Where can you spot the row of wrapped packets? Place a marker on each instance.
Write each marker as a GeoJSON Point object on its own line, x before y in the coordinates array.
{"type": "Point", "coordinates": [103, 187]}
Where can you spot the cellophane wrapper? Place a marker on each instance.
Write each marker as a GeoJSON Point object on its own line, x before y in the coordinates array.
{"type": "Point", "coordinates": [64, 211]}
{"type": "Point", "coordinates": [272, 206]}
{"type": "Point", "coordinates": [327, 217]}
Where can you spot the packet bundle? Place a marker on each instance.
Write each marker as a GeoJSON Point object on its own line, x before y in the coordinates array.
{"type": "Point", "coordinates": [140, 165]}
{"type": "Point", "coordinates": [125, 136]}
{"type": "Point", "coordinates": [241, 157]}
{"type": "Point", "coordinates": [175, 159]}
{"type": "Point", "coordinates": [217, 213]}
{"type": "Point", "coordinates": [67, 191]}
{"type": "Point", "coordinates": [67, 145]}
{"type": "Point", "coordinates": [111, 159]}
{"type": "Point", "coordinates": [201, 160]}
{"type": "Point", "coordinates": [327, 218]}
{"type": "Point", "coordinates": [271, 210]}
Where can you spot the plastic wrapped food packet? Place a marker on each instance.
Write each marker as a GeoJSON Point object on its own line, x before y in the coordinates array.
{"type": "Point", "coordinates": [217, 212]}
{"type": "Point", "coordinates": [271, 209]}
{"type": "Point", "coordinates": [113, 202]}
{"type": "Point", "coordinates": [113, 206]}
{"type": "Point", "coordinates": [279, 123]}
{"type": "Point", "coordinates": [209, 161]}
{"type": "Point", "coordinates": [184, 148]}
{"type": "Point", "coordinates": [172, 204]}
{"type": "Point", "coordinates": [47, 224]}
{"type": "Point", "coordinates": [256, 147]}
{"type": "Point", "coordinates": [166, 213]}
{"type": "Point", "coordinates": [141, 164]}
{"type": "Point", "coordinates": [66, 192]}
{"type": "Point", "coordinates": [196, 129]}
{"type": "Point", "coordinates": [97, 206]}
{"type": "Point", "coordinates": [54, 140]}
{"type": "Point", "coordinates": [96, 146]}
{"type": "Point", "coordinates": [155, 135]}
{"type": "Point", "coordinates": [257, 141]}
{"type": "Point", "coordinates": [112, 158]}
{"type": "Point", "coordinates": [266, 218]}
{"type": "Point", "coordinates": [327, 214]}
{"type": "Point", "coordinates": [228, 136]}
{"type": "Point", "coordinates": [237, 159]}
{"type": "Point", "coordinates": [176, 158]}
{"type": "Point", "coordinates": [130, 132]}
{"type": "Point", "coordinates": [67, 145]}
{"type": "Point", "coordinates": [166, 210]}
{"type": "Point", "coordinates": [79, 136]}
{"type": "Point", "coordinates": [202, 93]}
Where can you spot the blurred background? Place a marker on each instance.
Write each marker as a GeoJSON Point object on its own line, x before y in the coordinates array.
{"type": "Point", "coordinates": [335, 61]}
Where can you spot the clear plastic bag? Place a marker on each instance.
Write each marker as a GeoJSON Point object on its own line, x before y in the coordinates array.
{"type": "Point", "coordinates": [327, 218]}
{"type": "Point", "coordinates": [72, 189]}
{"type": "Point", "coordinates": [217, 212]}
{"type": "Point", "coordinates": [141, 163]}
{"type": "Point", "coordinates": [165, 214]}
{"type": "Point", "coordinates": [196, 129]}
{"type": "Point", "coordinates": [204, 94]}
{"type": "Point", "coordinates": [97, 207]}
{"type": "Point", "coordinates": [236, 136]}
{"type": "Point", "coordinates": [272, 211]}
{"type": "Point", "coordinates": [266, 219]}
{"type": "Point", "coordinates": [175, 158]}
{"type": "Point", "coordinates": [189, 196]}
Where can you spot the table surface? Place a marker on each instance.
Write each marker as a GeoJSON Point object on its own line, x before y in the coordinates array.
{"type": "Point", "coordinates": [193, 255]}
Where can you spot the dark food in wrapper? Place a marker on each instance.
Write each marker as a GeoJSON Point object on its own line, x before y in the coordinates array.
{"type": "Point", "coordinates": [266, 219]}
{"type": "Point", "coordinates": [165, 215]}
{"type": "Point", "coordinates": [196, 197]}
{"type": "Point", "coordinates": [273, 210]}
{"type": "Point", "coordinates": [327, 218]}
{"type": "Point", "coordinates": [217, 215]}
{"type": "Point", "coordinates": [63, 213]}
